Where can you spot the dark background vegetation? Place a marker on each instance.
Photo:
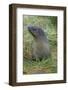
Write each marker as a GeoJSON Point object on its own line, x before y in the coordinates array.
{"type": "Point", "coordinates": [49, 25]}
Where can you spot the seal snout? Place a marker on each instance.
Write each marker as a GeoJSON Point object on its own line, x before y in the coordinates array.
{"type": "Point", "coordinates": [29, 27]}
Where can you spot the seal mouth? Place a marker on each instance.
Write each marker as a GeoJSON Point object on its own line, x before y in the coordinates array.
{"type": "Point", "coordinates": [32, 34]}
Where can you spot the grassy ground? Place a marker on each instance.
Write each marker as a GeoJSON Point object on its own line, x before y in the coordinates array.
{"type": "Point", "coordinates": [45, 66]}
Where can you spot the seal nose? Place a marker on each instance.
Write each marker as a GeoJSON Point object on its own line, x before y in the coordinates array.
{"type": "Point", "coordinates": [29, 26]}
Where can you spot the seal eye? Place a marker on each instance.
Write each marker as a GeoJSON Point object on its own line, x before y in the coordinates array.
{"type": "Point", "coordinates": [34, 30]}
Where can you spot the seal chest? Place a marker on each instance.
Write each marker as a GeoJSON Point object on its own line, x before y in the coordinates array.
{"type": "Point", "coordinates": [40, 47]}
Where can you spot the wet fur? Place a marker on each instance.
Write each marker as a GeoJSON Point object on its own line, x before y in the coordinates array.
{"type": "Point", "coordinates": [40, 48]}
